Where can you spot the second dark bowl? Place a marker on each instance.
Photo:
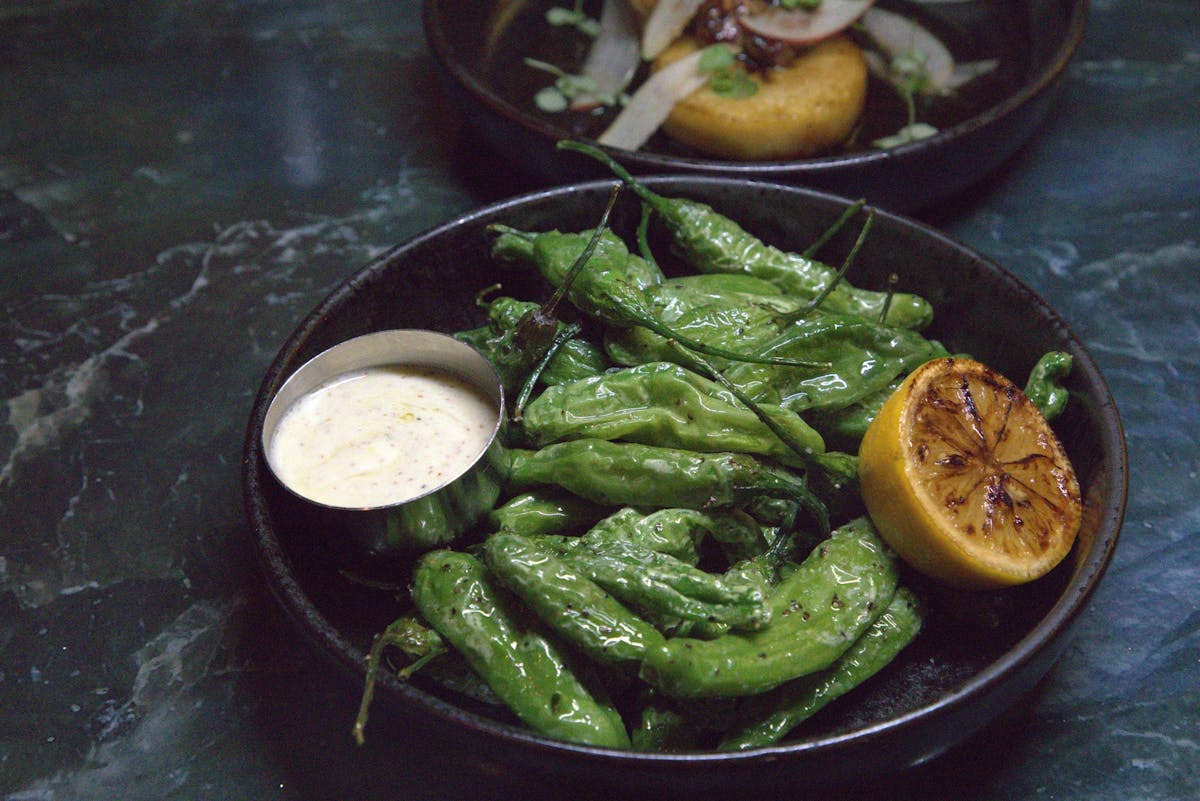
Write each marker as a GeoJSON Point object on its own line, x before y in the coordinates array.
{"type": "Point", "coordinates": [1034, 40]}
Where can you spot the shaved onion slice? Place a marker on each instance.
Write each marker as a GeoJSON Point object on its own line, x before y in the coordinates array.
{"type": "Point", "coordinates": [665, 23]}
{"type": "Point", "coordinates": [896, 35]}
{"type": "Point", "coordinates": [968, 71]}
{"type": "Point", "coordinates": [614, 56]}
{"type": "Point", "coordinates": [799, 26]}
{"type": "Point", "coordinates": [651, 104]}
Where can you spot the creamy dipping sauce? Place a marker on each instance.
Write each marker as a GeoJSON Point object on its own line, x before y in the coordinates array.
{"type": "Point", "coordinates": [382, 435]}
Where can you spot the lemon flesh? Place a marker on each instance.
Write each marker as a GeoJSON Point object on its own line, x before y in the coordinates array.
{"type": "Point", "coordinates": [799, 110]}
{"type": "Point", "coordinates": [966, 480]}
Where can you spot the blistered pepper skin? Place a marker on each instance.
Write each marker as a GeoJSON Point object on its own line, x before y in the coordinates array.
{"type": "Point", "coordinates": [664, 404]}
{"type": "Point", "coordinates": [863, 358]}
{"type": "Point", "coordinates": [608, 286]}
{"type": "Point", "coordinates": [666, 587]}
{"type": "Point", "coordinates": [817, 612]}
{"type": "Point", "coordinates": [499, 342]}
{"type": "Point", "coordinates": [545, 511]}
{"type": "Point", "coordinates": [527, 671]}
{"type": "Point", "coordinates": [1045, 385]}
{"type": "Point", "coordinates": [566, 600]}
{"type": "Point", "coordinates": [630, 474]}
{"type": "Point", "coordinates": [710, 242]}
{"type": "Point", "coordinates": [767, 718]}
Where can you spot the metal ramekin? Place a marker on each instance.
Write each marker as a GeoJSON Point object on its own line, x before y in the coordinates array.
{"type": "Point", "coordinates": [439, 515]}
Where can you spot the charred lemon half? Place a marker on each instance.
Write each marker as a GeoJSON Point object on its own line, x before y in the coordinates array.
{"type": "Point", "coordinates": [965, 479]}
{"type": "Point", "coordinates": [799, 110]}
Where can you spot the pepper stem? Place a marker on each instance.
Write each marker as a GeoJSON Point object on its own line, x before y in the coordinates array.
{"type": "Point", "coordinates": [712, 350]}
{"type": "Point", "coordinates": [847, 215]}
{"type": "Point", "coordinates": [849, 260]}
{"type": "Point", "coordinates": [652, 198]}
{"type": "Point", "coordinates": [392, 635]}
{"type": "Point", "coordinates": [784, 436]}
{"type": "Point", "coordinates": [560, 339]}
{"type": "Point", "coordinates": [560, 291]}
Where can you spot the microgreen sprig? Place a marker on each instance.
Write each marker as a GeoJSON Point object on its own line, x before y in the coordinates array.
{"type": "Point", "coordinates": [567, 87]}
{"type": "Point", "coordinates": [725, 75]}
{"type": "Point", "coordinates": [909, 74]}
{"type": "Point", "coordinates": [573, 17]}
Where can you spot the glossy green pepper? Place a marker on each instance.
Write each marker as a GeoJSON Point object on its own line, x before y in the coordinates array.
{"type": "Point", "coordinates": [681, 532]}
{"type": "Point", "coordinates": [670, 531]}
{"type": "Point", "coordinates": [1045, 385]}
{"type": "Point", "coordinates": [499, 343]}
{"type": "Point", "coordinates": [731, 321]}
{"type": "Point", "coordinates": [857, 357]}
{"type": "Point", "coordinates": [614, 261]}
{"type": "Point", "coordinates": [765, 719]}
{"type": "Point", "coordinates": [727, 310]}
{"type": "Point", "coordinates": [667, 588]}
{"type": "Point", "coordinates": [631, 474]}
{"type": "Point", "coordinates": [662, 729]}
{"type": "Point", "coordinates": [844, 427]}
{"type": "Point", "coordinates": [603, 289]}
{"type": "Point", "coordinates": [713, 243]}
{"type": "Point", "coordinates": [864, 357]}
{"type": "Point", "coordinates": [567, 601]}
{"type": "Point", "coordinates": [817, 613]}
{"type": "Point", "coordinates": [664, 404]}
{"type": "Point", "coordinates": [677, 296]}
{"type": "Point", "coordinates": [762, 568]}
{"type": "Point", "coordinates": [456, 595]}
{"type": "Point", "coordinates": [545, 511]}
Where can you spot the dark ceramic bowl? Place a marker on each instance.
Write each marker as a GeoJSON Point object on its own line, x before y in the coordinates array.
{"type": "Point", "coordinates": [480, 46]}
{"type": "Point", "coordinates": [975, 657]}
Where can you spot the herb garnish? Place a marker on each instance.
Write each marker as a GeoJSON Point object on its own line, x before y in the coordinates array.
{"type": "Point", "coordinates": [726, 75]}
{"type": "Point", "coordinates": [573, 17]}
{"type": "Point", "coordinates": [567, 87]}
{"type": "Point", "coordinates": [909, 74]}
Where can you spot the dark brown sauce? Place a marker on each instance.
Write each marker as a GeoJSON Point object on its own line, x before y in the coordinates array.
{"type": "Point", "coordinates": [972, 31]}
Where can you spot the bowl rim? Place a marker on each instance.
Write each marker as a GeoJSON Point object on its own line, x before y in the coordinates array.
{"type": "Point", "coordinates": [1037, 643]}
{"type": "Point", "coordinates": [1039, 84]}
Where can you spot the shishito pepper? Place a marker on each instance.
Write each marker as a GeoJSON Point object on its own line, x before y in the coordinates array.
{"type": "Point", "coordinates": [528, 671]}
{"type": "Point", "coordinates": [631, 474]}
{"type": "Point", "coordinates": [614, 261]}
{"type": "Point", "coordinates": [844, 427]}
{"type": "Point", "coordinates": [767, 718]}
{"type": "Point", "coordinates": [863, 357]}
{"type": "Point", "coordinates": [1045, 385]}
{"type": "Point", "coordinates": [713, 243]}
{"type": "Point", "coordinates": [817, 613]}
{"type": "Point", "coordinates": [682, 532]}
{"type": "Point", "coordinates": [499, 342]}
{"type": "Point", "coordinates": [545, 511]}
{"type": "Point", "coordinates": [735, 319]}
{"type": "Point", "coordinates": [663, 585]}
{"type": "Point", "coordinates": [674, 297]}
{"type": "Point", "coordinates": [603, 288]}
{"type": "Point", "coordinates": [567, 601]}
{"type": "Point", "coordinates": [667, 405]}
{"type": "Point", "coordinates": [849, 357]}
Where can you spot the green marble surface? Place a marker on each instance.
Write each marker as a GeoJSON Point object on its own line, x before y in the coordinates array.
{"type": "Point", "coordinates": [181, 182]}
